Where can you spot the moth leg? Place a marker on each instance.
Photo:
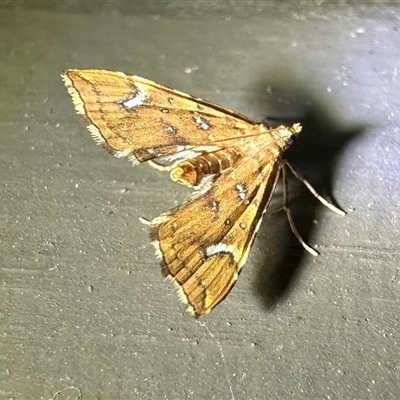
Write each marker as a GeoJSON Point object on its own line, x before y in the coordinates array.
{"type": "Point", "coordinates": [301, 178]}
{"type": "Point", "coordinates": [286, 209]}
{"type": "Point", "coordinates": [160, 167]}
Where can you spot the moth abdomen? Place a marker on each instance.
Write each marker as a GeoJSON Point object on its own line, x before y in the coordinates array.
{"type": "Point", "coordinates": [191, 172]}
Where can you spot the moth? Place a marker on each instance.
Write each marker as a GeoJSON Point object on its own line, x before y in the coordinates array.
{"type": "Point", "coordinates": [233, 163]}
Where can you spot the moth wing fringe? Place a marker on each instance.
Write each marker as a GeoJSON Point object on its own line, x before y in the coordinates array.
{"type": "Point", "coordinates": [76, 99]}
{"type": "Point", "coordinates": [164, 269]}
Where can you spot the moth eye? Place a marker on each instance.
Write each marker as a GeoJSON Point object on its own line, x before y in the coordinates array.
{"type": "Point", "coordinates": [290, 141]}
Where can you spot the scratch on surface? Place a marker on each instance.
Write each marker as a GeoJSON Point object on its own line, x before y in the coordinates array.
{"type": "Point", "coordinates": [75, 388]}
{"type": "Point", "coordinates": [222, 356]}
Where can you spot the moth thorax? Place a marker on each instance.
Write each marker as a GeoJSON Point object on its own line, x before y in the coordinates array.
{"type": "Point", "coordinates": [191, 172]}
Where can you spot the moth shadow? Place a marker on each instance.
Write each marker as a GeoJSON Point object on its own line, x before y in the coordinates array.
{"type": "Point", "coordinates": [315, 153]}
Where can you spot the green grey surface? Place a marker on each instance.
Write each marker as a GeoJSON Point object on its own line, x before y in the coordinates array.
{"type": "Point", "coordinates": [84, 310]}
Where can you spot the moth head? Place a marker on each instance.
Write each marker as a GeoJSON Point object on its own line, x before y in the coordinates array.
{"type": "Point", "coordinates": [294, 130]}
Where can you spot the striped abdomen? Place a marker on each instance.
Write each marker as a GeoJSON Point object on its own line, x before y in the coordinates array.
{"type": "Point", "coordinates": [191, 172]}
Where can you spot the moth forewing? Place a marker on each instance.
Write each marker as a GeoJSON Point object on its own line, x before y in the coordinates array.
{"type": "Point", "coordinates": [135, 117]}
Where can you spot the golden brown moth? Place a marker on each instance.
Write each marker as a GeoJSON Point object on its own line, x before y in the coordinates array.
{"type": "Point", "coordinates": [233, 162]}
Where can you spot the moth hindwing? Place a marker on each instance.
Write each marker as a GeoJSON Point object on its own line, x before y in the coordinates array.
{"type": "Point", "coordinates": [232, 161]}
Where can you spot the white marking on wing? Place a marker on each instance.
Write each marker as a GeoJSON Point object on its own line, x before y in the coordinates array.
{"type": "Point", "coordinates": [218, 248]}
{"type": "Point", "coordinates": [241, 190]}
{"type": "Point", "coordinates": [135, 101]}
{"type": "Point", "coordinates": [202, 123]}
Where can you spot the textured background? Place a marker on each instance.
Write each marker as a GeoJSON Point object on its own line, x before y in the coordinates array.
{"type": "Point", "coordinates": [84, 310]}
